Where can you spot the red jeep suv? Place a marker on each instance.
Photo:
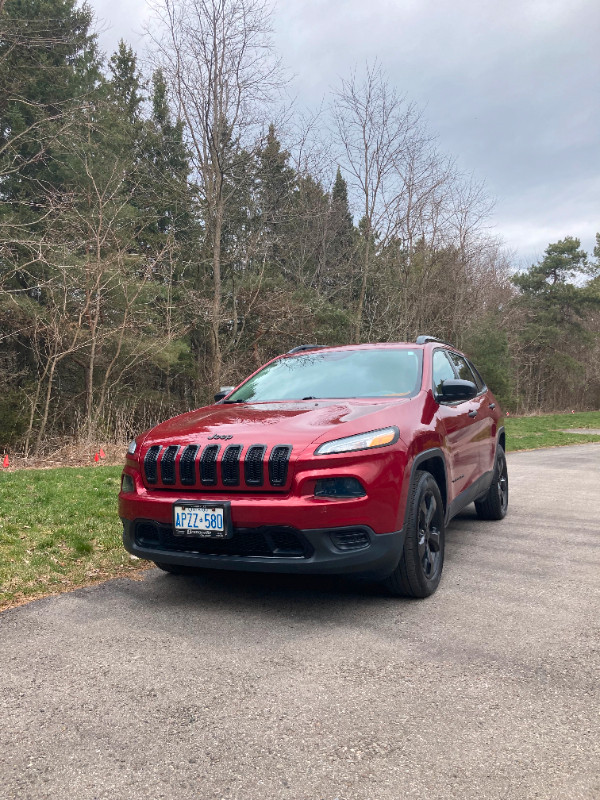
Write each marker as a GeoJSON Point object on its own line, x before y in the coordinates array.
{"type": "Point", "coordinates": [326, 460]}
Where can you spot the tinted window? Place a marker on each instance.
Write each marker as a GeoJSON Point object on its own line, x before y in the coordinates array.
{"type": "Point", "coordinates": [479, 382]}
{"type": "Point", "coordinates": [442, 370]}
{"type": "Point", "coordinates": [347, 373]}
{"type": "Point", "coordinates": [462, 368]}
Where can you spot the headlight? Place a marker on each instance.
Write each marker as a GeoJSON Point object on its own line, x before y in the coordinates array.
{"type": "Point", "coordinates": [362, 441]}
{"type": "Point", "coordinates": [132, 448]}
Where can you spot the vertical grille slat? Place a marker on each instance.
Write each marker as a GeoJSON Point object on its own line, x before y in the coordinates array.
{"type": "Point", "coordinates": [208, 465]}
{"type": "Point", "coordinates": [278, 464]}
{"type": "Point", "coordinates": [230, 465]}
{"type": "Point", "coordinates": [187, 465]}
{"type": "Point", "coordinates": [253, 465]}
{"type": "Point", "coordinates": [167, 465]}
{"type": "Point", "coordinates": [150, 461]}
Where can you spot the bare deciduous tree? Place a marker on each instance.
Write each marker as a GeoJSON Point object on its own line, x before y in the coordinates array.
{"type": "Point", "coordinates": [374, 126]}
{"type": "Point", "coordinates": [218, 59]}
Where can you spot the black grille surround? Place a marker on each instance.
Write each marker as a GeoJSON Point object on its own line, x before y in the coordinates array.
{"type": "Point", "coordinates": [278, 464]}
{"type": "Point", "coordinates": [253, 465]}
{"type": "Point", "coordinates": [230, 465]}
{"type": "Point", "coordinates": [239, 466]}
{"type": "Point", "coordinates": [167, 465]}
{"type": "Point", "coordinates": [265, 542]}
{"type": "Point", "coordinates": [150, 467]}
{"type": "Point", "coordinates": [187, 465]}
{"type": "Point", "coordinates": [350, 538]}
{"type": "Point", "coordinates": [208, 465]}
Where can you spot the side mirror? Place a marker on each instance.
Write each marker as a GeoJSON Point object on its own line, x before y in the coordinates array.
{"type": "Point", "coordinates": [452, 391]}
{"type": "Point", "coordinates": [223, 392]}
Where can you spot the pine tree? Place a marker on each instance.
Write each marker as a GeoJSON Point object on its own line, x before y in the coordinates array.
{"type": "Point", "coordinates": [125, 83]}
{"type": "Point", "coordinates": [49, 67]}
{"type": "Point", "coordinates": [555, 301]}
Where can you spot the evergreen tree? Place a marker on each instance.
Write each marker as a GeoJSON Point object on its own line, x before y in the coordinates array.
{"type": "Point", "coordinates": [343, 240]}
{"type": "Point", "coordinates": [555, 299]}
{"type": "Point", "coordinates": [125, 83]}
{"type": "Point", "coordinates": [49, 66]}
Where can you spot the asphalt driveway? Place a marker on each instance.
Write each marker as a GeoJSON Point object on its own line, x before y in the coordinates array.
{"type": "Point", "coordinates": [250, 687]}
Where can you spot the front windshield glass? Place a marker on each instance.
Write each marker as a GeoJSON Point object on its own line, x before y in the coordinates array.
{"type": "Point", "coordinates": [335, 374]}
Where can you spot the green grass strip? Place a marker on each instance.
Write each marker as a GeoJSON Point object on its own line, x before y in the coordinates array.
{"type": "Point", "coordinates": [59, 529]}
{"type": "Point", "coordinates": [529, 433]}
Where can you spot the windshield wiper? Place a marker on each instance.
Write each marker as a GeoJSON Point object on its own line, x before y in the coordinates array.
{"type": "Point", "coordinates": [233, 401]}
{"type": "Point", "coordinates": [310, 397]}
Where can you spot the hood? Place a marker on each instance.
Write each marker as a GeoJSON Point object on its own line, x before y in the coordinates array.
{"type": "Point", "coordinates": [298, 423]}
{"type": "Point", "coordinates": [238, 446]}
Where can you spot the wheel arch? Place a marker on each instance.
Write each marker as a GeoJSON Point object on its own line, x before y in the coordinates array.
{"type": "Point", "coordinates": [432, 461]}
{"type": "Point", "coordinates": [501, 440]}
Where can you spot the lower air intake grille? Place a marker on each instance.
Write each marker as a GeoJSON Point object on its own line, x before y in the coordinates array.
{"type": "Point", "coordinates": [167, 465]}
{"type": "Point", "coordinates": [150, 464]}
{"type": "Point", "coordinates": [278, 464]}
{"type": "Point", "coordinates": [350, 539]}
{"type": "Point", "coordinates": [265, 542]}
{"type": "Point", "coordinates": [208, 465]}
{"type": "Point", "coordinates": [187, 465]}
{"type": "Point", "coordinates": [230, 465]}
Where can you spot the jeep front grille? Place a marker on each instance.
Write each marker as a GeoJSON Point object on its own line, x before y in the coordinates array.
{"type": "Point", "coordinates": [278, 464]}
{"type": "Point", "coordinates": [253, 465]}
{"type": "Point", "coordinates": [167, 465]}
{"type": "Point", "coordinates": [150, 463]}
{"type": "Point", "coordinates": [187, 465]}
{"type": "Point", "coordinates": [230, 465]}
{"type": "Point", "coordinates": [218, 472]}
{"type": "Point", "coordinates": [208, 465]}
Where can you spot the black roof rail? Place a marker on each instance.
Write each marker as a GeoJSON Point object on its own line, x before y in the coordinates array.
{"type": "Point", "coordinates": [302, 347]}
{"type": "Point", "coordinates": [424, 339]}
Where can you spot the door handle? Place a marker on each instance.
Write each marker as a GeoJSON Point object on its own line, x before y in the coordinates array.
{"type": "Point", "coordinates": [472, 413]}
{"type": "Point", "coordinates": [492, 405]}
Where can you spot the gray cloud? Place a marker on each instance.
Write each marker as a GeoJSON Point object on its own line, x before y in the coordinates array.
{"type": "Point", "coordinates": [510, 86]}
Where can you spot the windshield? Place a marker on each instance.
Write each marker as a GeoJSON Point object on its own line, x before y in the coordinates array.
{"type": "Point", "coordinates": [335, 374]}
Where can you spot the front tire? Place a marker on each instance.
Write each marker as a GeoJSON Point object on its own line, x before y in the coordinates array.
{"type": "Point", "coordinates": [494, 504]}
{"type": "Point", "coordinates": [420, 569]}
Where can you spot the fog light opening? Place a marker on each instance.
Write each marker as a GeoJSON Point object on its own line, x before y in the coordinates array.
{"type": "Point", "coordinates": [339, 488]}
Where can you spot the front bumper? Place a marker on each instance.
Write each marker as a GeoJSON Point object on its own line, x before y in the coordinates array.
{"type": "Point", "coordinates": [377, 556]}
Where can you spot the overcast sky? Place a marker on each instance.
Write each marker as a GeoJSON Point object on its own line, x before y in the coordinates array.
{"type": "Point", "coordinates": [511, 87]}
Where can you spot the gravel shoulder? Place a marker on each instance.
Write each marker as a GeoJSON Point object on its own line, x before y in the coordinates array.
{"type": "Point", "coordinates": [244, 687]}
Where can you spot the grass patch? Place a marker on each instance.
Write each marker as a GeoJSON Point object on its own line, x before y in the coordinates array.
{"type": "Point", "coordinates": [59, 529]}
{"type": "Point", "coordinates": [529, 433]}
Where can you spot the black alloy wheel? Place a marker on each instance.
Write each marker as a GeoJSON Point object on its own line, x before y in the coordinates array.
{"type": "Point", "coordinates": [429, 535]}
{"type": "Point", "coordinates": [420, 569]}
{"type": "Point", "coordinates": [494, 504]}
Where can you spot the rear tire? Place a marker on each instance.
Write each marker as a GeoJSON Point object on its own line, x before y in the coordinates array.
{"type": "Point", "coordinates": [494, 504]}
{"type": "Point", "coordinates": [420, 568]}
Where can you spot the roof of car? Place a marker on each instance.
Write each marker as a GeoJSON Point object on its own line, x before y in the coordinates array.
{"type": "Point", "coordinates": [370, 346]}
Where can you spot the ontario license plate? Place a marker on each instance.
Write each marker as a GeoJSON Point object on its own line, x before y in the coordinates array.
{"type": "Point", "coordinates": [205, 520]}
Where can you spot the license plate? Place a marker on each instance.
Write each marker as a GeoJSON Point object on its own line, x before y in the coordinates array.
{"type": "Point", "coordinates": [207, 520]}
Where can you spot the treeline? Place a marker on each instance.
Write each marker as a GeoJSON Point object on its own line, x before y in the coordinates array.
{"type": "Point", "coordinates": [165, 232]}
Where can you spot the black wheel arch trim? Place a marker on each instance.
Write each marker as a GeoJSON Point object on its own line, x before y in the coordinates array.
{"type": "Point", "coordinates": [473, 492]}
{"type": "Point", "coordinates": [499, 433]}
{"type": "Point", "coordinates": [427, 455]}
